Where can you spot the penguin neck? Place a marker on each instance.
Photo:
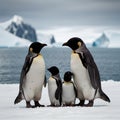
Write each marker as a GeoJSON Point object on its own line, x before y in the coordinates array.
{"type": "Point", "coordinates": [81, 49]}
{"type": "Point", "coordinates": [67, 82]}
{"type": "Point", "coordinates": [57, 77]}
{"type": "Point", "coordinates": [33, 54]}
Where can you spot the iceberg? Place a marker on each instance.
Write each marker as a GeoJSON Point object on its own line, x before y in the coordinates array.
{"type": "Point", "coordinates": [102, 41]}
{"type": "Point", "coordinates": [46, 38]}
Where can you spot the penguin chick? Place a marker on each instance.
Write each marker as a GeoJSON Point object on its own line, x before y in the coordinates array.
{"type": "Point", "coordinates": [69, 92]}
{"type": "Point", "coordinates": [55, 87]}
{"type": "Point", "coordinates": [32, 76]}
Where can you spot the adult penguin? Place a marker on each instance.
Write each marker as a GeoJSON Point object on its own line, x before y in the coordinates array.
{"type": "Point", "coordinates": [55, 87]}
{"type": "Point", "coordinates": [86, 74]}
{"type": "Point", "coordinates": [32, 76]}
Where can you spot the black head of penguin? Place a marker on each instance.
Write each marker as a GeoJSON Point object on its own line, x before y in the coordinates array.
{"type": "Point", "coordinates": [53, 70]}
{"type": "Point", "coordinates": [67, 76]}
{"type": "Point", "coordinates": [36, 47]}
{"type": "Point", "coordinates": [74, 43]}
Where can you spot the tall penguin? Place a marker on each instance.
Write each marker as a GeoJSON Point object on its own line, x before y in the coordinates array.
{"type": "Point", "coordinates": [55, 87]}
{"type": "Point", "coordinates": [69, 92]}
{"type": "Point", "coordinates": [32, 76]}
{"type": "Point", "coordinates": [86, 74]}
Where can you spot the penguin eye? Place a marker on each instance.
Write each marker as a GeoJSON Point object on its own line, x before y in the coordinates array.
{"type": "Point", "coordinates": [79, 44]}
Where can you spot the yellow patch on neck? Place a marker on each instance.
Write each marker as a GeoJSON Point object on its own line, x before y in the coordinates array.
{"type": "Point", "coordinates": [31, 49]}
{"type": "Point", "coordinates": [67, 82]}
{"type": "Point", "coordinates": [79, 44]}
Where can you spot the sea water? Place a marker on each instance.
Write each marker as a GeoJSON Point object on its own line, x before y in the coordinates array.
{"type": "Point", "coordinates": [12, 60]}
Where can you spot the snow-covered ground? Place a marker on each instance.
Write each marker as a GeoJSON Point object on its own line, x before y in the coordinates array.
{"type": "Point", "coordinates": [100, 111]}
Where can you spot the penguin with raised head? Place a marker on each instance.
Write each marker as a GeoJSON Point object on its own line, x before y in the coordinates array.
{"type": "Point", "coordinates": [55, 87]}
{"type": "Point", "coordinates": [69, 91]}
{"type": "Point", "coordinates": [32, 76]}
{"type": "Point", "coordinates": [86, 75]}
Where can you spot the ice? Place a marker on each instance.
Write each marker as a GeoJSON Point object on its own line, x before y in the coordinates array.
{"type": "Point", "coordinates": [100, 111]}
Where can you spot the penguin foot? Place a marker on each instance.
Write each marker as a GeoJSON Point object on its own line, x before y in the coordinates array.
{"type": "Point", "coordinates": [81, 103]}
{"type": "Point", "coordinates": [90, 104]}
{"type": "Point", "coordinates": [37, 104]}
{"type": "Point", "coordinates": [28, 105]}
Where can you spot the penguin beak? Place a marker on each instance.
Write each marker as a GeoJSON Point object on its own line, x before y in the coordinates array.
{"type": "Point", "coordinates": [65, 44]}
{"type": "Point", "coordinates": [48, 69]}
{"type": "Point", "coordinates": [44, 45]}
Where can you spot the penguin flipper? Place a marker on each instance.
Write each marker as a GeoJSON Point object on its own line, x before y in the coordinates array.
{"type": "Point", "coordinates": [94, 75]}
{"type": "Point", "coordinates": [22, 76]}
{"type": "Point", "coordinates": [93, 78]}
{"type": "Point", "coordinates": [59, 89]}
{"type": "Point", "coordinates": [25, 69]}
{"type": "Point", "coordinates": [88, 63]}
{"type": "Point", "coordinates": [104, 96]}
{"type": "Point", "coordinates": [45, 81]}
{"type": "Point", "coordinates": [18, 98]}
{"type": "Point", "coordinates": [58, 92]}
{"type": "Point", "coordinates": [75, 90]}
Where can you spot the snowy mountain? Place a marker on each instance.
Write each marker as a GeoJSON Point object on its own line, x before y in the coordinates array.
{"type": "Point", "coordinates": [22, 34]}
{"type": "Point", "coordinates": [17, 27]}
{"type": "Point", "coordinates": [9, 40]}
{"type": "Point", "coordinates": [102, 41]}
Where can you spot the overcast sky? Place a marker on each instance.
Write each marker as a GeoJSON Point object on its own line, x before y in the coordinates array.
{"type": "Point", "coordinates": [56, 13]}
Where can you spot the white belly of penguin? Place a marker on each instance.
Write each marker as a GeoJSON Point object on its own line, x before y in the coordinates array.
{"type": "Point", "coordinates": [52, 86]}
{"type": "Point", "coordinates": [81, 78]}
{"type": "Point", "coordinates": [35, 79]}
{"type": "Point", "coordinates": [68, 93]}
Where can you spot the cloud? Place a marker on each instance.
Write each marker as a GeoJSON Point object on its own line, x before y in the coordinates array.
{"type": "Point", "coordinates": [44, 13]}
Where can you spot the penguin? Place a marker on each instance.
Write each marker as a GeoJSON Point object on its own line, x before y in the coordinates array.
{"type": "Point", "coordinates": [86, 74]}
{"type": "Point", "coordinates": [69, 91]}
{"type": "Point", "coordinates": [55, 87]}
{"type": "Point", "coordinates": [32, 76]}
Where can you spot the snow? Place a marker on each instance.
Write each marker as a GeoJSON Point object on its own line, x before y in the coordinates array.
{"type": "Point", "coordinates": [100, 111]}
{"type": "Point", "coordinates": [9, 40]}
{"type": "Point", "coordinates": [17, 19]}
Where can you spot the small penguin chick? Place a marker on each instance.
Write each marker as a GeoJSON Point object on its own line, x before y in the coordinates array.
{"type": "Point", "coordinates": [54, 87]}
{"type": "Point", "coordinates": [68, 90]}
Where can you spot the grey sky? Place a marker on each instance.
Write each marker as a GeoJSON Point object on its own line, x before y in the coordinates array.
{"type": "Point", "coordinates": [54, 13]}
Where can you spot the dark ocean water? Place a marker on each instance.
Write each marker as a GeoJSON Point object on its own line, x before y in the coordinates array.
{"type": "Point", "coordinates": [12, 60]}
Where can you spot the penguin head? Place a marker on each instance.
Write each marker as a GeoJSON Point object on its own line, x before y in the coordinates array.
{"type": "Point", "coordinates": [67, 76]}
{"type": "Point", "coordinates": [36, 47]}
{"type": "Point", "coordinates": [74, 43]}
{"type": "Point", "coordinates": [53, 70]}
